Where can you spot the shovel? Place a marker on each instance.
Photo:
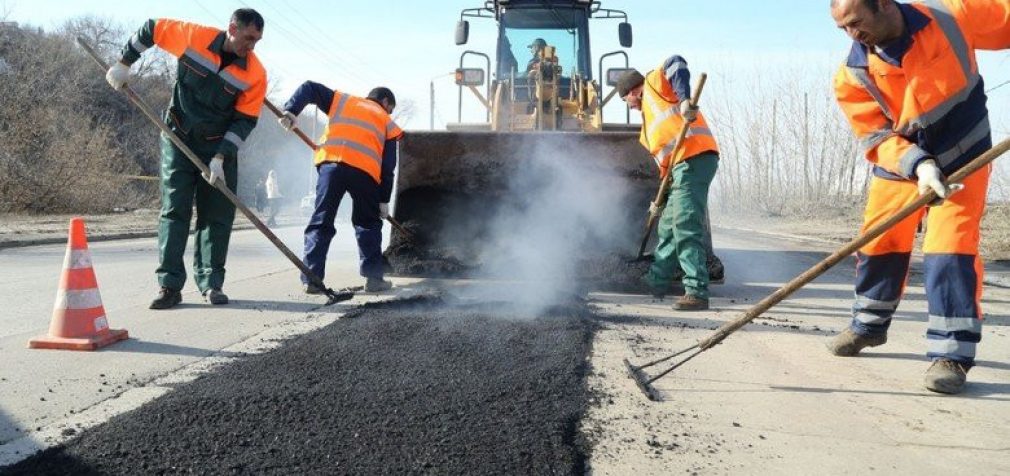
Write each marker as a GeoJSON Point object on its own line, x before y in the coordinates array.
{"type": "Point", "coordinates": [333, 296]}
{"type": "Point", "coordinates": [656, 207]}
{"type": "Point", "coordinates": [301, 135]}
{"type": "Point", "coordinates": [645, 382]}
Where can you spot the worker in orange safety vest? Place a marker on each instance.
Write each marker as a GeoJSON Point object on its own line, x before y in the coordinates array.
{"type": "Point", "coordinates": [357, 156]}
{"type": "Point", "coordinates": [912, 92]}
{"type": "Point", "coordinates": [219, 89]}
{"type": "Point", "coordinates": [663, 96]}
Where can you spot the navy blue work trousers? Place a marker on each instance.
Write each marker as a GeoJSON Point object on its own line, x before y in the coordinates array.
{"type": "Point", "coordinates": [334, 181]}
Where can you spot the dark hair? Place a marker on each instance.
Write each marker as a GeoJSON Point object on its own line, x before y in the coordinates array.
{"type": "Point", "coordinates": [380, 93]}
{"type": "Point", "coordinates": [871, 4]}
{"type": "Point", "coordinates": [244, 17]}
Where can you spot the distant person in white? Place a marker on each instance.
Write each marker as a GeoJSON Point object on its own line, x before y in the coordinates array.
{"type": "Point", "coordinates": [273, 196]}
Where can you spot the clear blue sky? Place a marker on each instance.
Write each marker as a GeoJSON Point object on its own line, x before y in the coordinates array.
{"type": "Point", "coordinates": [403, 44]}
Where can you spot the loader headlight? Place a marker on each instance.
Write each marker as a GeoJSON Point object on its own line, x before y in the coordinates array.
{"type": "Point", "coordinates": [614, 75]}
{"type": "Point", "coordinates": [469, 76]}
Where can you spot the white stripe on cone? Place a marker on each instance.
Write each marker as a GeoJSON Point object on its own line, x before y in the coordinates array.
{"type": "Point", "coordinates": [77, 259]}
{"type": "Point", "coordinates": [73, 299]}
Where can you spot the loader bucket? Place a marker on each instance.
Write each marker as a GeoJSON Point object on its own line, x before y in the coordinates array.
{"type": "Point", "coordinates": [465, 195]}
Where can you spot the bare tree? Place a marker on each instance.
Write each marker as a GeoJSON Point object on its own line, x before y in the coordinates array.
{"type": "Point", "coordinates": [787, 148]}
{"type": "Point", "coordinates": [404, 111]}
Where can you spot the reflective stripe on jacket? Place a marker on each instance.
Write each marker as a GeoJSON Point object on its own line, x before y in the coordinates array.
{"type": "Point", "coordinates": [357, 132]}
{"type": "Point", "coordinates": [661, 124]}
{"type": "Point", "coordinates": [209, 102]}
{"type": "Point", "coordinates": [928, 100]}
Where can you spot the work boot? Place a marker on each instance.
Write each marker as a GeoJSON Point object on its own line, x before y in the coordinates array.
{"type": "Point", "coordinates": [375, 285]}
{"type": "Point", "coordinates": [690, 302]}
{"type": "Point", "coordinates": [310, 288]}
{"type": "Point", "coordinates": [946, 376]}
{"type": "Point", "coordinates": [848, 344]}
{"type": "Point", "coordinates": [215, 296]}
{"type": "Point", "coordinates": [167, 297]}
{"type": "Point", "coordinates": [716, 271]}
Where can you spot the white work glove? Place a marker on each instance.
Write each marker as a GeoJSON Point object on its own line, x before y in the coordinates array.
{"type": "Point", "coordinates": [118, 75]}
{"type": "Point", "coordinates": [687, 112]}
{"type": "Point", "coordinates": [216, 167]}
{"type": "Point", "coordinates": [287, 121]}
{"type": "Point", "coordinates": [383, 210]}
{"type": "Point", "coordinates": [931, 178]}
{"type": "Point", "coordinates": [654, 210]}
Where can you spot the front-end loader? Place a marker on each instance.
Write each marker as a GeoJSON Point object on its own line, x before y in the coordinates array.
{"type": "Point", "coordinates": [542, 99]}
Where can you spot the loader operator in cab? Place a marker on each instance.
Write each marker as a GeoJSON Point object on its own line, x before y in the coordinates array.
{"type": "Point", "coordinates": [685, 241]}
{"type": "Point", "coordinates": [911, 90]}
{"type": "Point", "coordinates": [536, 48]}
{"type": "Point", "coordinates": [357, 157]}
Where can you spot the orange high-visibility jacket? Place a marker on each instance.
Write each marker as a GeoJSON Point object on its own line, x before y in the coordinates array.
{"type": "Point", "coordinates": [661, 122]}
{"type": "Point", "coordinates": [929, 100]}
{"type": "Point", "coordinates": [209, 102]}
{"type": "Point", "coordinates": [357, 133]}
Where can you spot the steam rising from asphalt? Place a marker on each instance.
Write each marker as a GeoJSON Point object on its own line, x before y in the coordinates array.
{"type": "Point", "coordinates": [568, 202]}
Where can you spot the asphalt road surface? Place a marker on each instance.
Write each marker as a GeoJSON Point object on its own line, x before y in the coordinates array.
{"type": "Point", "coordinates": [769, 398]}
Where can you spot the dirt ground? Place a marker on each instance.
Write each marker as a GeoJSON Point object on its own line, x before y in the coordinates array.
{"type": "Point", "coordinates": [16, 229]}
{"type": "Point", "coordinates": [24, 230]}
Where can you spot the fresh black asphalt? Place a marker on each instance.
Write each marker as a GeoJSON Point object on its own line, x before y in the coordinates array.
{"type": "Point", "coordinates": [414, 387]}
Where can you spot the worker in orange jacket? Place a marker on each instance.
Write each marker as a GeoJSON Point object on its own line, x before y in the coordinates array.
{"type": "Point", "coordinates": [219, 90]}
{"type": "Point", "coordinates": [357, 156]}
{"type": "Point", "coordinates": [664, 97]}
{"type": "Point", "coordinates": [912, 92]}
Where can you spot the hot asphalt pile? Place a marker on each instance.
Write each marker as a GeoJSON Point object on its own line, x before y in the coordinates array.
{"type": "Point", "coordinates": [414, 387]}
{"type": "Point", "coordinates": [595, 270]}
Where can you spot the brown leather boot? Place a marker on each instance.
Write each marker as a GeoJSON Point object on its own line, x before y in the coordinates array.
{"type": "Point", "coordinates": [848, 344]}
{"type": "Point", "coordinates": [946, 376]}
{"type": "Point", "coordinates": [690, 302]}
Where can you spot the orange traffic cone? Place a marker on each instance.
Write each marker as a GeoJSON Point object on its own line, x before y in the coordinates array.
{"type": "Point", "coordinates": [79, 321]}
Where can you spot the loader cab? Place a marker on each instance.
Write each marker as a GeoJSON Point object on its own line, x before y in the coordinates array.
{"type": "Point", "coordinates": [524, 94]}
{"type": "Point", "coordinates": [564, 29]}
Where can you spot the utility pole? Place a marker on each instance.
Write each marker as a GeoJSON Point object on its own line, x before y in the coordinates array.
{"type": "Point", "coordinates": [431, 98]}
{"type": "Point", "coordinates": [806, 148]}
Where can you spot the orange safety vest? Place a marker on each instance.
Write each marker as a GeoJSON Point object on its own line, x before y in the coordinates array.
{"type": "Point", "coordinates": [357, 133]}
{"type": "Point", "coordinates": [191, 43]}
{"type": "Point", "coordinates": [661, 124]}
{"type": "Point", "coordinates": [933, 103]}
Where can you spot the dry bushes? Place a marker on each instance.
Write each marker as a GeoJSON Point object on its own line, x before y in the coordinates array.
{"type": "Point", "coordinates": [66, 138]}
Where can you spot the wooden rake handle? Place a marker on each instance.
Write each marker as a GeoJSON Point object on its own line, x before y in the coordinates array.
{"type": "Point", "coordinates": [820, 268]}
{"type": "Point", "coordinates": [298, 132]}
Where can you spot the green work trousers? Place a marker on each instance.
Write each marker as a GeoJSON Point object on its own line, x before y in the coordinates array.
{"type": "Point", "coordinates": [181, 181]}
{"type": "Point", "coordinates": [682, 227]}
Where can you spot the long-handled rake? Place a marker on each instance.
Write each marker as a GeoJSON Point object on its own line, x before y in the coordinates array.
{"type": "Point", "coordinates": [332, 296]}
{"type": "Point", "coordinates": [645, 382]}
{"type": "Point", "coordinates": [301, 135]}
